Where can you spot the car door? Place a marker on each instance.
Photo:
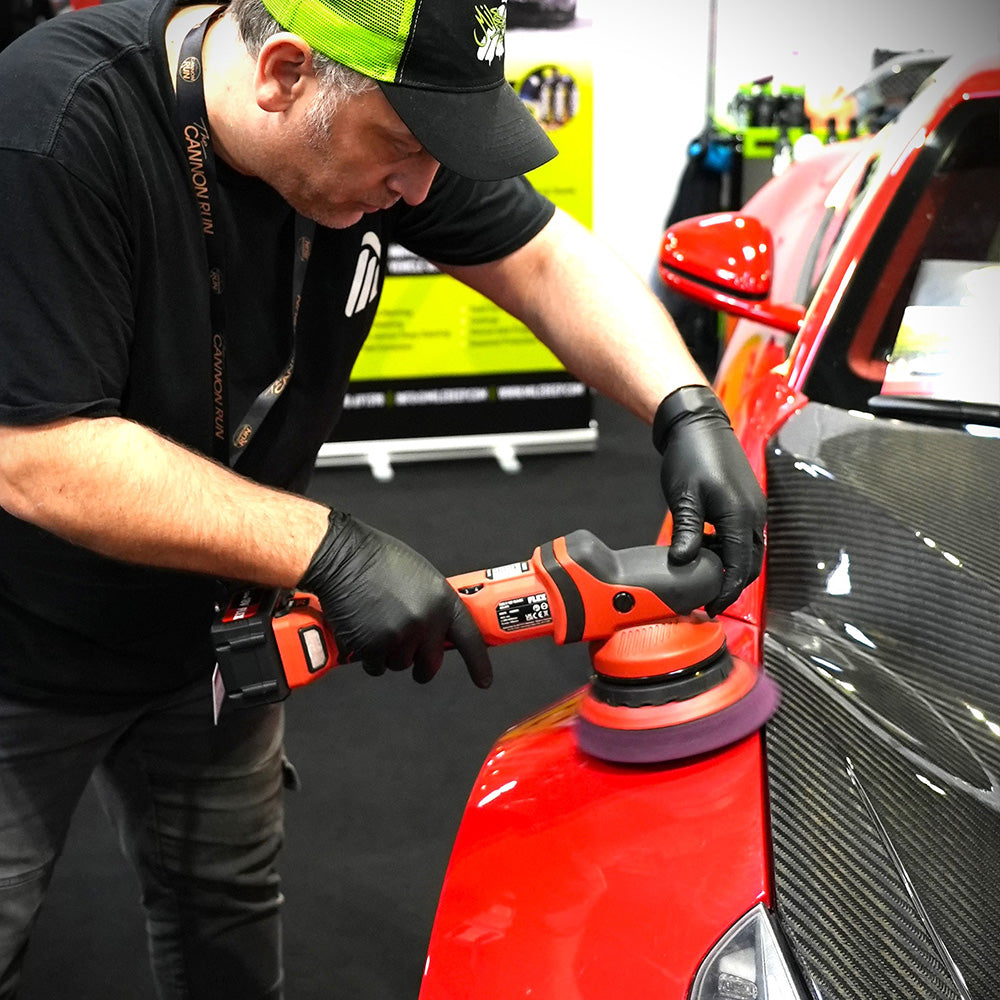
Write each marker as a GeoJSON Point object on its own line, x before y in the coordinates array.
{"type": "Point", "coordinates": [882, 602]}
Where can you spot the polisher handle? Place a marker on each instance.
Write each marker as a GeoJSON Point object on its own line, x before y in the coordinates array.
{"type": "Point", "coordinates": [577, 589]}
{"type": "Point", "coordinates": [604, 590]}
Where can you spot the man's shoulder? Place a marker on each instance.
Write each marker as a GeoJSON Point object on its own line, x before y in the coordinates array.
{"type": "Point", "coordinates": [88, 68]}
{"type": "Point", "coordinates": [465, 221]}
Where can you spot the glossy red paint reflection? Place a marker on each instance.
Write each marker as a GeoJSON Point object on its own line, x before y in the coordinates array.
{"type": "Point", "coordinates": [730, 251]}
{"type": "Point", "coordinates": [551, 892]}
{"type": "Point", "coordinates": [725, 261]}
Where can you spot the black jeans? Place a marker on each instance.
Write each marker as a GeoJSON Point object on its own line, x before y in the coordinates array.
{"type": "Point", "coordinates": [198, 809]}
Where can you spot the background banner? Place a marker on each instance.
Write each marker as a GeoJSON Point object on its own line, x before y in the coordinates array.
{"type": "Point", "coordinates": [442, 365]}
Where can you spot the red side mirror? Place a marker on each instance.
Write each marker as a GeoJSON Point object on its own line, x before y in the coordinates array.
{"type": "Point", "coordinates": [725, 261]}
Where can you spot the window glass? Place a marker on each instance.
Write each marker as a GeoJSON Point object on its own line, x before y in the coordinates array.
{"type": "Point", "coordinates": [947, 346]}
{"type": "Point", "coordinates": [921, 317]}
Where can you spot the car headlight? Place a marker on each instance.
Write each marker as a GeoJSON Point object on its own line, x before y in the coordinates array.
{"type": "Point", "coordinates": [748, 963]}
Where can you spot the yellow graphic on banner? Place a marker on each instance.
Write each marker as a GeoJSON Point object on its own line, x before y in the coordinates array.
{"type": "Point", "coordinates": [429, 325]}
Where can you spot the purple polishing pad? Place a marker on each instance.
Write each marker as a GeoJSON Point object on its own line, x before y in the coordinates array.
{"type": "Point", "coordinates": [653, 746]}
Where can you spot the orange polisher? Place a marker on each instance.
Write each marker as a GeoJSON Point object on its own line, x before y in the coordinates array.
{"type": "Point", "coordinates": [665, 687]}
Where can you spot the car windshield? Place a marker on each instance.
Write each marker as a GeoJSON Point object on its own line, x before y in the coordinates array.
{"type": "Point", "coordinates": [921, 320]}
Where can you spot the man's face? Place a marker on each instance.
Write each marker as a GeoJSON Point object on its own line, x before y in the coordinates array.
{"type": "Point", "coordinates": [364, 160]}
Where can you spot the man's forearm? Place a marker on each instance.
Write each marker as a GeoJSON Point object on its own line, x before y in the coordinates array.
{"type": "Point", "coordinates": [593, 312]}
{"type": "Point", "coordinates": [124, 491]}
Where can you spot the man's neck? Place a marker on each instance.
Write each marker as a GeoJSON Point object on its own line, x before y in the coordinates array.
{"type": "Point", "coordinates": [182, 21]}
{"type": "Point", "coordinates": [222, 47]}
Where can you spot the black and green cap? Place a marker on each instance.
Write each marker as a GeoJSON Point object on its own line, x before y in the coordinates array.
{"type": "Point", "coordinates": [440, 64]}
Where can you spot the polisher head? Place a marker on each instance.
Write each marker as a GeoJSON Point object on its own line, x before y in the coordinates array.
{"type": "Point", "coordinates": [669, 691]}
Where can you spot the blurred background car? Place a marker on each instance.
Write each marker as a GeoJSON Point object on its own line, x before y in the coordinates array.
{"type": "Point", "coordinates": [894, 79]}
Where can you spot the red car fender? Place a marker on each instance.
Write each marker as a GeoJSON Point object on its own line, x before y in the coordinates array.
{"type": "Point", "coordinates": [572, 878]}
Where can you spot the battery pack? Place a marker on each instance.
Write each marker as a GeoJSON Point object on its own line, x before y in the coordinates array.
{"type": "Point", "coordinates": [269, 641]}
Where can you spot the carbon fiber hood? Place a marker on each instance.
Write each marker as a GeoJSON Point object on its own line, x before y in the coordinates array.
{"type": "Point", "coordinates": [883, 630]}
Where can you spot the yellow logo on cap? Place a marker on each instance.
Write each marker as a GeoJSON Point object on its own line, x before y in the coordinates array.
{"type": "Point", "coordinates": [493, 24]}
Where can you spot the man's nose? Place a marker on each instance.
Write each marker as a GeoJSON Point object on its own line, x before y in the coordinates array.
{"type": "Point", "coordinates": [413, 179]}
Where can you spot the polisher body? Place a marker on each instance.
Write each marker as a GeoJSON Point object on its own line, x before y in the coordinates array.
{"type": "Point", "coordinates": [665, 687]}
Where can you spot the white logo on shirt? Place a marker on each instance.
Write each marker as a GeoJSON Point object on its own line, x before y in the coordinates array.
{"type": "Point", "coordinates": [367, 273]}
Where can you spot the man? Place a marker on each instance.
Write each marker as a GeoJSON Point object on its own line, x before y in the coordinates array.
{"type": "Point", "coordinates": [183, 196]}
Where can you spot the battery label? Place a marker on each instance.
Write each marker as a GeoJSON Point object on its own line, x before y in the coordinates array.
{"type": "Point", "coordinates": [506, 572]}
{"type": "Point", "coordinates": [246, 604]}
{"type": "Point", "coordinates": [524, 612]}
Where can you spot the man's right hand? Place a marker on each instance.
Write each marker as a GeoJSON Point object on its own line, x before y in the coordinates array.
{"type": "Point", "coordinates": [388, 606]}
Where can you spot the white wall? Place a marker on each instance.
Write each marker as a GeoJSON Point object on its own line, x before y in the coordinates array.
{"type": "Point", "coordinates": [651, 79]}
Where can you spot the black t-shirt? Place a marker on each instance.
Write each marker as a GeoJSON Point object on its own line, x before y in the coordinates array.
{"type": "Point", "coordinates": [104, 310]}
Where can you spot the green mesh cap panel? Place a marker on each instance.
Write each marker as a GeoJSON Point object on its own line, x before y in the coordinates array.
{"type": "Point", "coordinates": [367, 35]}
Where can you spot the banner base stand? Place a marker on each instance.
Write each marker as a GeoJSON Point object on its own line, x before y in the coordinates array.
{"type": "Point", "coordinates": [506, 449]}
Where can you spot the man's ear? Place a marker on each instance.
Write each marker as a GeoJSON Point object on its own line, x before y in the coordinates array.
{"type": "Point", "coordinates": [284, 69]}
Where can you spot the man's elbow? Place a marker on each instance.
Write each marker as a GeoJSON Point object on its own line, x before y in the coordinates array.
{"type": "Point", "coordinates": [20, 470]}
{"type": "Point", "coordinates": [9, 464]}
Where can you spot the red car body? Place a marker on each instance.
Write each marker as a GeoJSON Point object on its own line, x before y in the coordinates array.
{"type": "Point", "coordinates": [574, 878]}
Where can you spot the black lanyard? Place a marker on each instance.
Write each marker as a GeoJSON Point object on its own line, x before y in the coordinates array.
{"type": "Point", "coordinates": [192, 120]}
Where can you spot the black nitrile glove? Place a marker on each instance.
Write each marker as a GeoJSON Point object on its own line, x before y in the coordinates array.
{"type": "Point", "coordinates": [706, 477]}
{"type": "Point", "coordinates": [388, 606]}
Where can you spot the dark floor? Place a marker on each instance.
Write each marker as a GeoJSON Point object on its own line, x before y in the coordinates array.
{"type": "Point", "coordinates": [386, 765]}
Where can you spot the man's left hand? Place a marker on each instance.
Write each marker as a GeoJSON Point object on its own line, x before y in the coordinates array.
{"type": "Point", "coordinates": [706, 477]}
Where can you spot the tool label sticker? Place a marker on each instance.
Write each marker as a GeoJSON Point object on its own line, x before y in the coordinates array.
{"type": "Point", "coordinates": [506, 572]}
{"type": "Point", "coordinates": [524, 612]}
{"type": "Point", "coordinates": [245, 604]}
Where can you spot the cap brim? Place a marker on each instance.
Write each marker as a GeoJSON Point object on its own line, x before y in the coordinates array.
{"type": "Point", "coordinates": [484, 134]}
